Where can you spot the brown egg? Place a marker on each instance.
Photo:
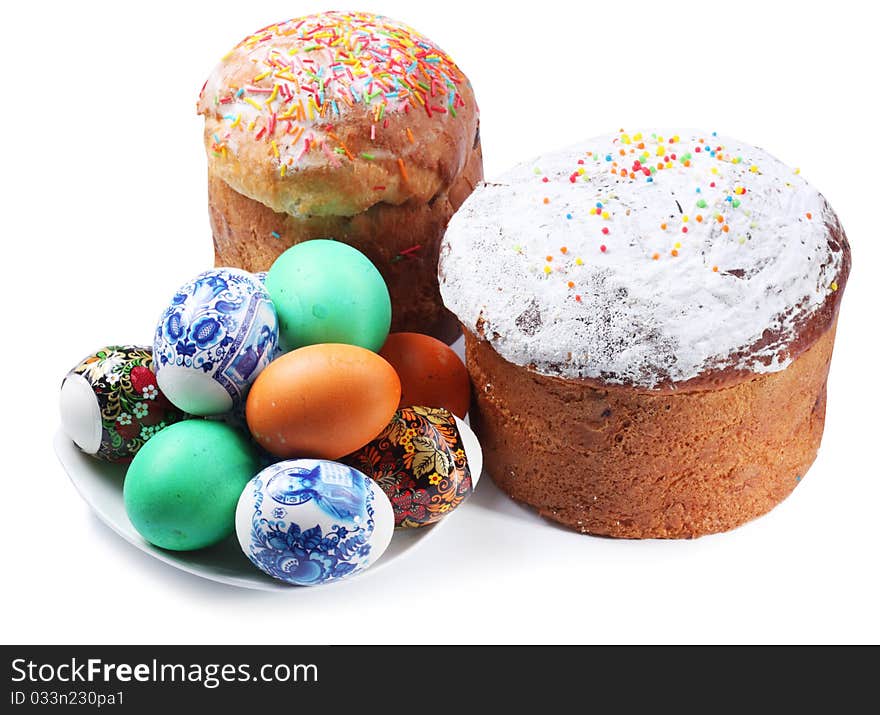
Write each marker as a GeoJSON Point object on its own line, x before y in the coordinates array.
{"type": "Point", "coordinates": [431, 374]}
{"type": "Point", "coordinates": [322, 401]}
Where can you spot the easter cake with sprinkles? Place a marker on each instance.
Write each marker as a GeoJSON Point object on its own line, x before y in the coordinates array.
{"type": "Point", "coordinates": [349, 126]}
{"type": "Point", "coordinates": [649, 319]}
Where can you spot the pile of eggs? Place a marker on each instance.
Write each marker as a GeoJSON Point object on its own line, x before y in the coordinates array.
{"type": "Point", "coordinates": [277, 407]}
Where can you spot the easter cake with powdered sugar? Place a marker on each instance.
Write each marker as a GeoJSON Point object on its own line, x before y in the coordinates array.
{"type": "Point", "coordinates": [649, 319]}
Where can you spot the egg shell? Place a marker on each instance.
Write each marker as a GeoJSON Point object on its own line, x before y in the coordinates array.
{"type": "Point", "coordinates": [111, 405]}
{"type": "Point", "coordinates": [212, 340]}
{"type": "Point", "coordinates": [322, 401]}
{"type": "Point", "coordinates": [328, 292]}
{"type": "Point", "coordinates": [430, 372]}
{"type": "Point", "coordinates": [181, 489]}
{"type": "Point", "coordinates": [309, 521]}
{"type": "Point", "coordinates": [427, 461]}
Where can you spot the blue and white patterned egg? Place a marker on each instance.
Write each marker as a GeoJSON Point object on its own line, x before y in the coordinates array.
{"type": "Point", "coordinates": [215, 336]}
{"type": "Point", "coordinates": [261, 276]}
{"type": "Point", "coordinates": [310, 521]}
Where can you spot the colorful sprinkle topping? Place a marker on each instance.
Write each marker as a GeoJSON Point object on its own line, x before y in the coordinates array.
{"type": "Point", "coordinates": [642, 158]}
{"type": "Point", "coordinates": [679, 275]}
{"type": "Point", "coordinates": [306, 72]}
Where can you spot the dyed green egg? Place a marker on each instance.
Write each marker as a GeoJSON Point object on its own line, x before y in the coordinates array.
{"type": "Point", "coordinates": [183, 485]}
{"type": "Point", "coordinates": [328, 292]}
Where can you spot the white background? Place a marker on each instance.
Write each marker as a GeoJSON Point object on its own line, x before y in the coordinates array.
{"type": "Point", "coordinates": [105, 213]}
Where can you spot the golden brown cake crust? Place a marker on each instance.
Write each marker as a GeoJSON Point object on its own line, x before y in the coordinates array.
{"type": "Point", "coordinates": [245, 236]}
{"type": "Point", "coordinates": [619, 462]}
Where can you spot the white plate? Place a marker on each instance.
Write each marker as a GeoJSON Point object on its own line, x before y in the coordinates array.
{"type": "Point", "coordinates": [100, 484]}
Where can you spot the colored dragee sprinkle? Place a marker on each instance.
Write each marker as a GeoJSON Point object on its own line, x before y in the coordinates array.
{"type": "Point", "coordinates": [644, 158]}
{"type": "Point", "coordinates": [337, 61]}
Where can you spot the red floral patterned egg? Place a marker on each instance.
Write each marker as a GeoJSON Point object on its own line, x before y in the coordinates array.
{"type": "Point", "coordinates": [419, 461]}
{"type": "Point", "coordinates": [111, 404]}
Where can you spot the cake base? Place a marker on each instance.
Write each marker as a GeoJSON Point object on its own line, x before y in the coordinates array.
{"type": "Point", "coordinates": [403, 242]}
{"type": "Point", "coordinates": [634, 463]}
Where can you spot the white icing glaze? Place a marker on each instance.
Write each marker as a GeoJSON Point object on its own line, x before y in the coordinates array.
{"type": "Point", "coordinates": [642, 320]}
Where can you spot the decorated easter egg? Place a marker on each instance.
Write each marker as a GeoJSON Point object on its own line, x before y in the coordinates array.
{"type": "Point", "coordinates": [426, 460]}
{"type": "Point", "coordinates": [322, 401]}
{"type": "Point", "coordinates": [328, 292]}
{"type": "Point", "coordinates": [261, 276]}
{"type": "Point", "coordinates": [216, 335]}
{"type": "Point", "coordinates": [310, 521]}
{"type": "Point", "coordinates": [111, 404]}
{"type": "Point", "coordinates": [430, 372]}
{"type": "Point", "coordinates": [182, 488]}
